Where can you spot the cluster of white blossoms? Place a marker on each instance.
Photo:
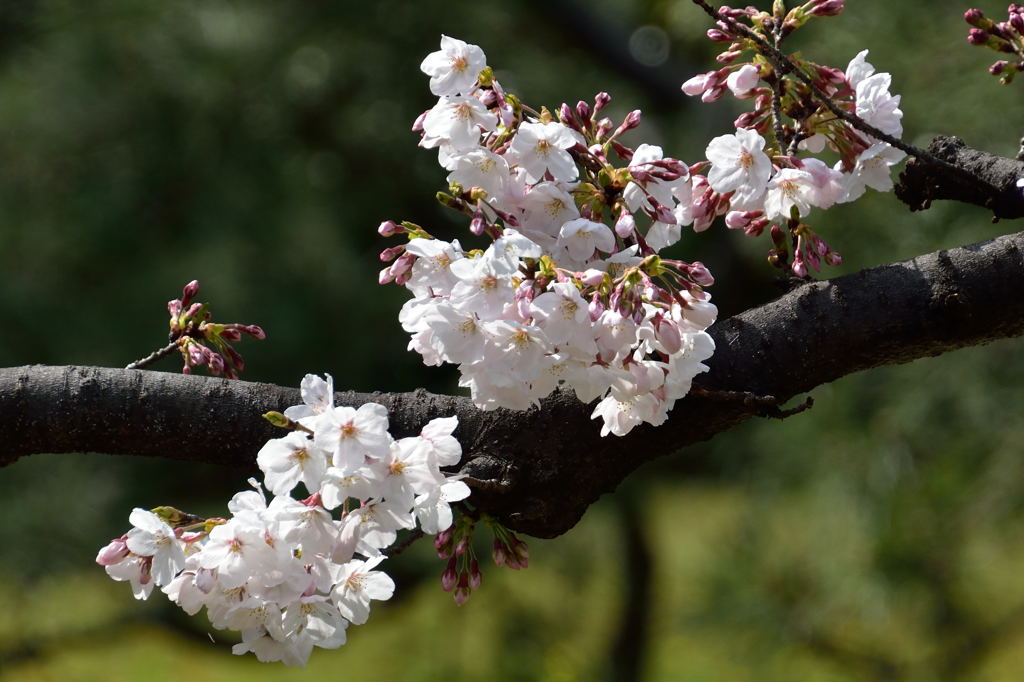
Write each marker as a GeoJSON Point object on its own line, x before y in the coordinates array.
{"type": "Point", "coordinates": [753, 188]}
{"type": "Point", "coordinates": [570, 291]}
{"type": "Point", "coordinates": [287, 574]}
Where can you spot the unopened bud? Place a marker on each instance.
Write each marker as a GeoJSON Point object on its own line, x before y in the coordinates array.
{"type": "Point", "coordinates": [625, 224]}
{"type": "Point", "coordinates": [391, 253]}
{"type": "Point", "coordinates": [462, 546]}
{"type": "Point", "coordinates": [624, 152]}
{"type": "Point", "coordinates": [498, 553]}
{"type": "Point", "coordinates": [631, 121]}
{"type": "Point", "coordinates": [190, 291]}
{"type": "Point", "coordinates": [700, 274]}
{"type": "Point", "coordinates": [583, 111]}
{"type": "Point", "coordinates": [449, 577]}
{"type": "Point", "coordinates": [478, 224]}
{"type": "Point", "coordinates": [565, 115]}
{"type": "Point", "coordinates": [712, 95]}
{"type": "Point", "coordinates": [461, 594]}
{"type": "Point", "coordinates": [756, 227]}
{"type": "Point", "coordinates": [975, 17]}
{"type": "Point", "coordinates": [389, 228]}
{"type": "Point", "coordinates": [977, 36]}
{"type": "Point", "coordinates": [696, 85]}
{"type": "Point", "coordinates": [475, 577]}
{"type": "Point", "coordinates": [114, 553]}
{"type": "Point", "coordinates": [601, 100]}
{"type": "Point", "coordinates": [827, 8]}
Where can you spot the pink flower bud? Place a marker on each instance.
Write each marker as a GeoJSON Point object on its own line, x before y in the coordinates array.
{"type": "Point", "coordinates": [391, 253]}
{"type": "Point", "coordinates": [449, 577]}
{"type": "Point", "coordinates": [418, 123]}
{"type": "Point", "coordinates": [974, 17]}
{"type": "Point", "coordinates": [743, 80]}
{"type": "Point", "coordinates": [663, 214]}
{"type": "Point", "coordinates": [565, 115]}
{"type": "Point", "coordinates": [977, 36]}
{"type": "Point", "coordinates": [700, 274]}
{"type": "Point", "coordinates": [718, 36]}
{"type": "Point", "coordinates": [389, 228]}
{"type": "Point", "coordinates": [475, 577]}
{"type": "Point", "coordinates": [499, 553]}
{"type": "Point", "coordinates": [756, 227]}
{"type": "Point", "coordinates": [478, 224]}
{"type": "Point", "coordinates": [462, 546]}
{"type": "Point", "coordinates": [737, 220]}
{"type": "Point", "coordinates": [631, 121]}
{"type": "Point", "coordinates": [190, 291]}
{"type": "Point", "coordinates": [696, 85]}
{"type": "Point", "coordinates": [596, 307]}
{"type": "Point", "coordinates": [216, 364]}
{"type": "Point", "coordinates": [601, 100]}
{"type": "Point", "coordinates": [798, 267]}
{"type": "Point", "coordinates": [625, 224]}
{"type": "Point", "coordinates": [668, 335]}
{"type": "Point", "coordinates": [461, 594]}
{"type": "Point", "coordinates": [583, 112]}
{"type": "Point", "coordinates": [113, 553]}
{"type": "Point", "coordinates": [521, 551]}
{"type": "Point", "coordinates": [712, 94]}
{"type": "Point", "coordinates": [827, 8]}
{"type": "Point", "coordinates": [624, 152]}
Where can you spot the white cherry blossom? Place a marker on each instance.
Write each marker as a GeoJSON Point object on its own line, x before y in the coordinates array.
{"type": "Point", "coordinates": [540, 148]}
{"type": "Point", "coordinates": [453, 69]}
{"type": "Point", "coordinates": [739, 164]}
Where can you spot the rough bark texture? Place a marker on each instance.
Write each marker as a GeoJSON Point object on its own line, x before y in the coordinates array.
{"type": "Point", "coordinates": [539, 470]}
{"type": "Point", "coordinates": [994, 187]}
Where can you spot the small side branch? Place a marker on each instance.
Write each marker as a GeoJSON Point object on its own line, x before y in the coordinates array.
{"type": "Point", "coordinates": [782, 65]}
{"type": "Point", "coordinates": [154, 356]}
{"type": "Point", "coordinates": [763, 405]}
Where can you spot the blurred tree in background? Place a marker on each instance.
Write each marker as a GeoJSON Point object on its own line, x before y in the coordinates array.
{"type": "Point", "coordinates": [256, 145]}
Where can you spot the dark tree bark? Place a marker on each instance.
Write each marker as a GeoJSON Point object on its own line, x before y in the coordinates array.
{"type": "Point", "coordinates": [994, 185]}
{"type": "Point", "coordinates": [540, 469]}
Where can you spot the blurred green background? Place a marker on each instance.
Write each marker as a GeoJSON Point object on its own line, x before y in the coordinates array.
{"type": "Point", "coordinates": [256, 145]}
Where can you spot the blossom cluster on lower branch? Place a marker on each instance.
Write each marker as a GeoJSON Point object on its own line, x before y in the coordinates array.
{"type": "Point", "coordinates": [285, 572]}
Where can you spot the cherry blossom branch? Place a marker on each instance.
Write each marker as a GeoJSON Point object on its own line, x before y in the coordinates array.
{"type": "Point", "coordinates": [921, 184]}
{"type": "Point", "coordinates": [540, 469]}
{"type": "Point", "coordinates": [782, 64]}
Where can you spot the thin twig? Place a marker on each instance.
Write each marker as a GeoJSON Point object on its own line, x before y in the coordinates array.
{"type": "Point", "coordinates": [154, 356]}
{"type": "Point", "coordinates": [400, 547]}
{"type": "Point", "coordinates": [765, 405]}
{"type": "Point", "coordinates": [780, 131]}
{"type": "Point", "coordinates": [782, 64]}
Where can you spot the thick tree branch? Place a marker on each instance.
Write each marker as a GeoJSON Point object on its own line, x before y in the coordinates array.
{"type": "Point", "coordinates": [922, 183]}
{"type": "Point", "coordinates": [539, 470]}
